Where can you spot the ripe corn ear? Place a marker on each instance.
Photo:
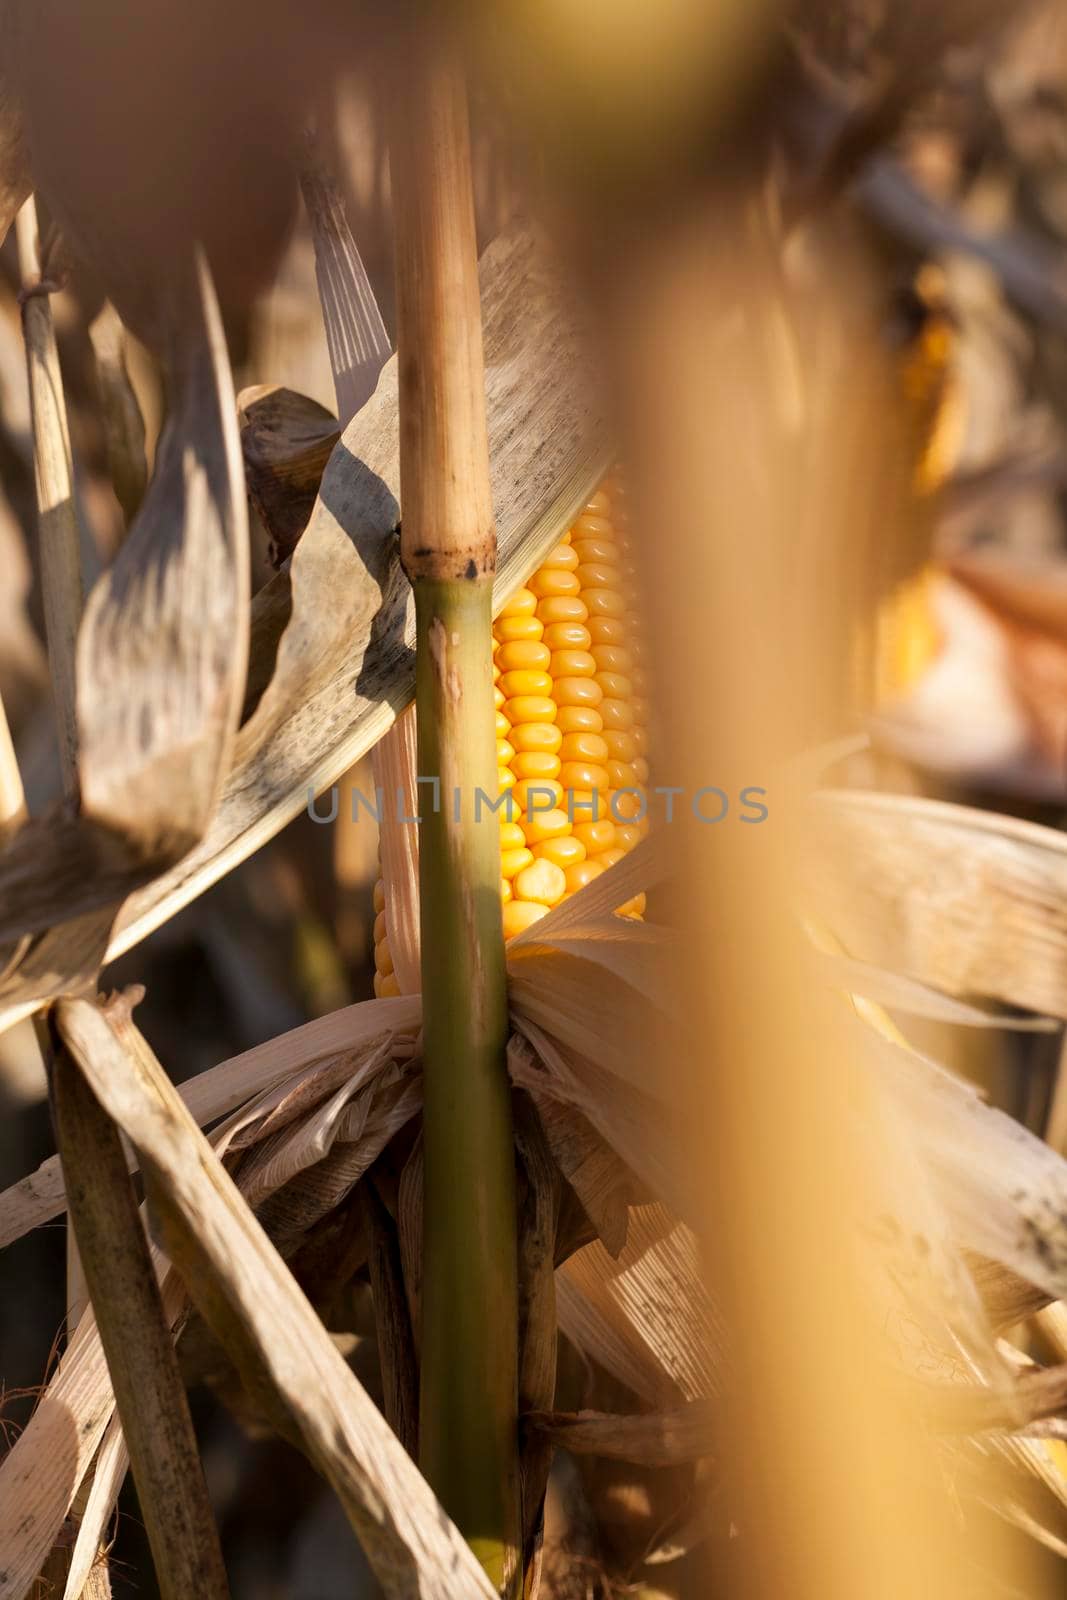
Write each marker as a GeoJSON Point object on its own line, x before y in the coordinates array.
{"type": "Point", "coordinates": [571, 689]}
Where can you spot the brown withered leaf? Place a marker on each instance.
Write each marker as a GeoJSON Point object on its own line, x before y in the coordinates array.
{"type": "Point", "coordinates": [120, 411]}
{"type": "Point", "coordinates": [649, 1438]}
{"type": "Point", "coordinates": [286, 441]}
{"type": "Point", "coordinates": [160, 667]}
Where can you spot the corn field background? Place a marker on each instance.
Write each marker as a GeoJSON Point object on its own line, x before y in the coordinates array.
{"type": "Point", "coordinates": [660, 1205]}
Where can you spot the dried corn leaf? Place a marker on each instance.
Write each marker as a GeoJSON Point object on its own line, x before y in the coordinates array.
{"type": "Point", "coordinates": [41, 1474]}
{"type": "Point", "coordinates": [286, 441]}
{"type": "Point", "coordinates": [1002, 1191]}
{"type": "Point", "coordinates": [929, 890]}
{"type": "Point", "coordinates": [646, 1317]}
{"type": "Point", "coordinates": [917, 999]}
{"type": "Point", "coordinates": [262, 1317]}
{"type": "Point", "coordinates": [160, 665]}
{"type": "Point", "coordinates": [355, 332]}
{"type": "Point", "coordinates": [121, 412]}
{"type": "Point", "coordinates": [649, 1438]}
{"type": "Point", "coordinates": [110, 1468]}
{"type": "Point", "coordinates": [318, 1188]}
{"type": "Point", "coordinates": [279, 1153]}
{"type": "Point", "coordinates": [315, 1046]}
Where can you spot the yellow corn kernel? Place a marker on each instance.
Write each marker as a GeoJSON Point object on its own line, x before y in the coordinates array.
{"type": "Point", "coordinates": [628, 835]}
{"type": "Point", "coordinates": [552, 582]}
{"type": "Point", "coordinates": [560, 559]}
{"type": "Point", "coordinates": [383, 961]}
{"type": "Point", "coordinates": [504, 752]}
{"type": "Point", "coordinates": [562, 608]}
{"type": "Point", "coordinates": [379, 895]}
{"type": "Point", "coordinates": [565, 851]}
{"type": "Point", "coordinates": [593, 527]}
{"type": "Point", "coordinates": [505, 779]}
{"type": "Point", "coordinates": [520, 915]}
{"type": "Point", "coordinates": [503, 726]}
{"type": "Point", "coordinates": [379, 932]}
{"type": "Point", "coordinates": [498, 698]}
{"type": "Point", "coordinates": [627, 806]}
{"type": "Point", "coordinates": [620, 775]}
{"type": "Point", "coordinates": [622, 746]}
{"type": "Point", "coordinates": [580, 874]}
{"type": "Point", "coordinates": [511, 836]}
{"type": "Point", "coordinates": [596, 552]}
{"type": "Point", "coordinates": [607, 630]}
{"type": "Point", "coordinates": [539, 789]}
{"type": "Point", "coordinates": [641, 769]}
{"type": "Point", "coordinates": [536, 736]}
{"type": "Point", "coordinates": [515, 630]}
{"type": "Point", "coordinates": [599, 575]}
{"type": "Point", "coordinates": [567, 636]}
{"type": "Point", "coordinates": [598, 504]}
{"type": "Point", "coordinates": [596, 836]}
{"type": "Point", "coordinates": [584, 775]}
{"type": "Point", "coordinates": [386, 986]}
{"type": "Point", "coordinates": [536, 764]}
{"type": "Point", "coordinates": [523, 653]}
{"type": "Point", "coordinates": [603, 602]}
{"type": "Point", "coordinates": [543, 882]}
{"type": "Point", "coordinates": [530, 708]}
{"type": "Point", "coordinates": [615, 686]}
{"type": "Point", "coordinates": [522, 604]}
{"type": "Point", "coordinates": [632, 908]}
{"type": "Point", "coordinates": [505, 891]}
{"type": "Point", "coordinates": [579, 719]}
{"type": "Point", "coordinates": [584, 747]}
{"type": "Point", "coordinates": [546, 825]}
{"type": "Point", "coordinates": [613, 658]}
{"type": "Point", "coordinates": [525, 682]}
{"type": "Point", "coordinates": [577, 692]}
{"type": "Point", "coordinates": [572, 664]}
{"type": "Point", "coordinates": [617, 715]}
{"type": "Point", "coordinates": [513, 861]}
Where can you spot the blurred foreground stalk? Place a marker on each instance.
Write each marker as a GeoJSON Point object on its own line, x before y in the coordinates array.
{"type": "Point", "coordinates": [748, 457]}
{"type": "Point", "coordinates": [467, 1421]}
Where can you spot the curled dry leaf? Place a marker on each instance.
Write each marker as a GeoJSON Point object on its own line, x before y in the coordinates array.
{"type": "Point", "coordinates": [286, 441]}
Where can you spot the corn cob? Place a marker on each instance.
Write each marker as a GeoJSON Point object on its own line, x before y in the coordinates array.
{"type": "Point", "coordinates": [571, 717]}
